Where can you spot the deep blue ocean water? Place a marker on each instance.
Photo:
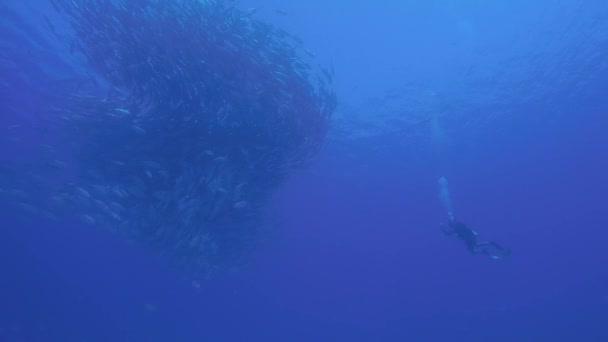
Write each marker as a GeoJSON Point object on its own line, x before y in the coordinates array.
{"type": "Point", "coordinates": [506, 99]}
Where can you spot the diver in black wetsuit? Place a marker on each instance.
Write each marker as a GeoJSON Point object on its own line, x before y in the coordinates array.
{"type": "Point", "coordinates": [469, 236]}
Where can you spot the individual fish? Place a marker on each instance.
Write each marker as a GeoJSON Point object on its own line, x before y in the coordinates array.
{"type": "Point", "coordinates": [116, 207]}
{"type": "Point", "coordinates": [122, 111]}
{"type": "Point", "coordinates": [310, 53]}
{"type": "Point", "coordinates": [101, 205]}
{"type": "Point", "coordinates": [240, 205]}
{"type": "Point", "coordinates": [47, 148]}
{"type": "Point", "coordinates": [88, 219]}
{"type": "Point", "coordinates": [119, 192]}
{"type": "Point", "coordinates": [115, 216]}
{"type": "Point", "coordinates": [250, 11]}
{"type": "Point", "coordinates": [138, 129]}
{"type": "Point", "coordinates": [82, 192]}
{"type": "Point", "coordinates": [327, 74]}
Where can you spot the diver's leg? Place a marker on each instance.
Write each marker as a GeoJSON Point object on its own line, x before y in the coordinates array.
{"type": "Point", "coordinates": [501, 249]}
{"type": "Point", "coordinates": [476, 248]}
{"type": "Point", "coordinates": [483, 248]}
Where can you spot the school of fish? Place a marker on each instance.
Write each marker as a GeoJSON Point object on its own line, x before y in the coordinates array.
{"type": "Point", "coordinates": [191, 116]}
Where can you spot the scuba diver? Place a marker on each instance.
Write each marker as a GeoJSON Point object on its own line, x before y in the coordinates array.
{"type": "Point", "coordinates": [469, 236]}
{"type": "Point", "coordinates": [464, 232]}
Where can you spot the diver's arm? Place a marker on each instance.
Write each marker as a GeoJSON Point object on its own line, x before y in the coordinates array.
{"type": "Point", "coordinates": [446, 231]}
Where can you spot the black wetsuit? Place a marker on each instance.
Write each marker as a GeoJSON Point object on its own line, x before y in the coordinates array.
{"type": "Point", "coordinates": [469, 236]}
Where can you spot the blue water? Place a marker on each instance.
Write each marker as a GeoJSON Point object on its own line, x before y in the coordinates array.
{"type": "Point", "coordinates": [506, 99]}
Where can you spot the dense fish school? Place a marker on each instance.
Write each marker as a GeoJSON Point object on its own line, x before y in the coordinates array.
{"type": "Point", "coordinates": [192, 114]}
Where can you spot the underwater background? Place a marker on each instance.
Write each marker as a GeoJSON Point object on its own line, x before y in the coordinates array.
{"type": "Point", "coordinates": [266, 170]}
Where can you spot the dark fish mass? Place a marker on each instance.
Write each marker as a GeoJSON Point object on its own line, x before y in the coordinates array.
{"type": "Point", "coordinates": [192, 114]}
